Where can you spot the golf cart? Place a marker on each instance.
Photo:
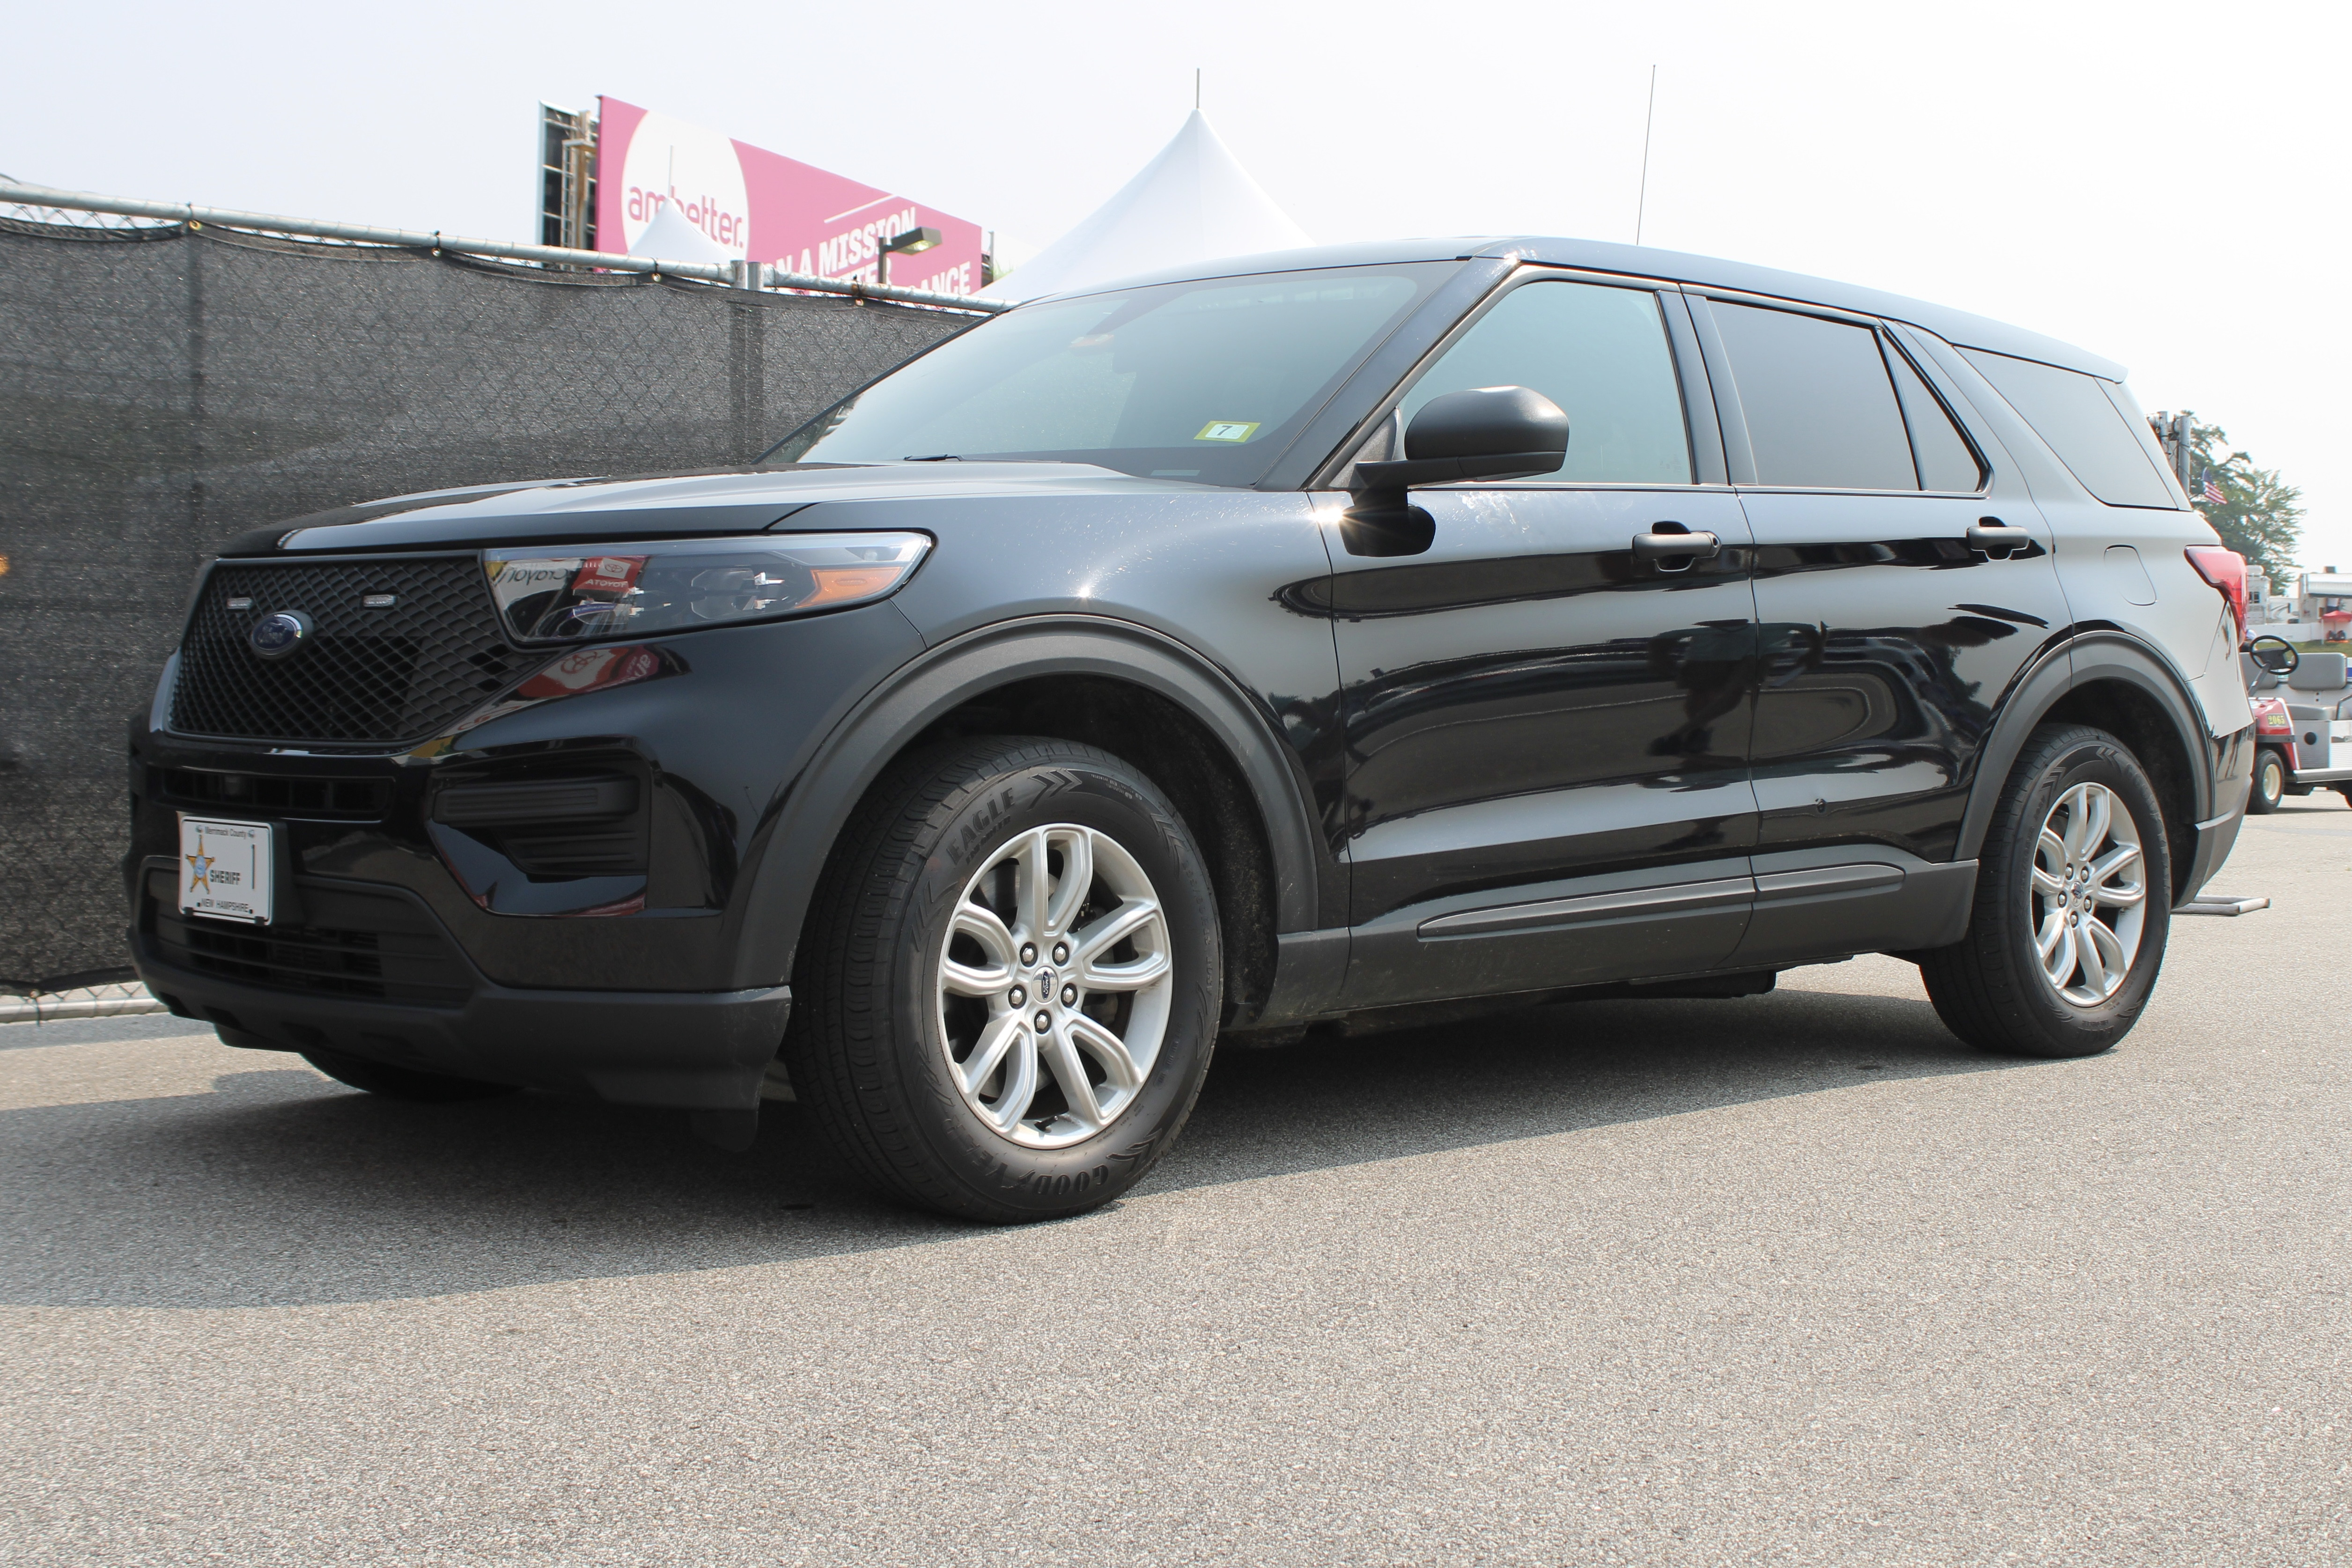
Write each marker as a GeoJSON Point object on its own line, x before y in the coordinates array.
{"type": "Point", "coordinates": [2303, 722]}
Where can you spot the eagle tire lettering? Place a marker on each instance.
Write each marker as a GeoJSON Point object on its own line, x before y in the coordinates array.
{"type": "Point", "coordinates": [979, 832]}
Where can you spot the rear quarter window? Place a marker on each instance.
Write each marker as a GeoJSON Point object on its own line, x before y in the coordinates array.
{"type": "Point", "coordinates": [2074, 413]}
{"type": "Point", "coordinates": [1946, 461]}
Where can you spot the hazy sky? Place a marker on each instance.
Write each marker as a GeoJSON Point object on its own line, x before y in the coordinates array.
{"type": "Point", "coordinates": [2163, 185]}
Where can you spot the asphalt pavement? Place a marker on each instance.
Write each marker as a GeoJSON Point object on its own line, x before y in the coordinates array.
{"type": "Point", "coordinates": [1787, 1280]}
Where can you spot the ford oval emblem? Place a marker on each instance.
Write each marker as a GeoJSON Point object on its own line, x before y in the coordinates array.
{"type": "Point", "coordinates": [276, 635]}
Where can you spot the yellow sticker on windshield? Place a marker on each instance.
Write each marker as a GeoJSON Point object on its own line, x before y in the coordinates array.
{"type": "Point", "coordinates": [1228, 430]}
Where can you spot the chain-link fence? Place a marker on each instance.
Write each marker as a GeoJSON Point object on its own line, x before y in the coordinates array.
{"type": "Point", "coordinates": [162, 387]}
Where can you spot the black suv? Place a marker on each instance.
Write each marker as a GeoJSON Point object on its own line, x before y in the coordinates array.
{"type": "Point", "coordinates": [1363, 634]}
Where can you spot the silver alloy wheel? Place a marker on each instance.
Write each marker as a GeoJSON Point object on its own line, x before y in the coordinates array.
{"type": "Point", "coordinates": [2090, 887]}
{"type": "Point", "coordinates": [1055, 988]}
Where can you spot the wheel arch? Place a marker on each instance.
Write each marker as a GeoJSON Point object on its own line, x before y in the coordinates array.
{"type": "Point", "coordinates": [2114, 682]}
{"type": "Point", "coordinates": [1005, 668]}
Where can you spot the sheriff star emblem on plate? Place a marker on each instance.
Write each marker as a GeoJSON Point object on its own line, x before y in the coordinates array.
{"type": "Point", "coordinates": [200, 867]}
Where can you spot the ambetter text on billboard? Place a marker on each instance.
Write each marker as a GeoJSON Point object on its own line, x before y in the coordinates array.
{"type": "Point", "coordinates": [758, 206]}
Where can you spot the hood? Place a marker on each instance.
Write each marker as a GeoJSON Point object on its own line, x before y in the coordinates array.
{"type": "Point", "coordinates": [665, 506]}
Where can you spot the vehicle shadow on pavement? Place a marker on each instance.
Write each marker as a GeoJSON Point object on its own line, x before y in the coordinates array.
{"type": "Point", "coordinates": [280, 1189]}
{"type": "Point", "coordinates": [1549, 1069]}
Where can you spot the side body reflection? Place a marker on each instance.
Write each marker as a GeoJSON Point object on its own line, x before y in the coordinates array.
{"type": "Point", "coordinates": [1531, 705]}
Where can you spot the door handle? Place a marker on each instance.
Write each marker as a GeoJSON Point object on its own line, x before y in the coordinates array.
{"type": "Point", "coordinates": [1990, 535]}
{"type": "Point", "coordinates": [1680, 544]}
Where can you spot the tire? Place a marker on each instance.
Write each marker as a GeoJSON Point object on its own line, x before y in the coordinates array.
{"type": "Point", "coordinates": [911, 982]}
{"type": "Point", "coordinates": [1991, 988]}
{"type": "Point", "coordinates": [402, 1082]}
{"type": "Point", "coordinates": [2270, 783]}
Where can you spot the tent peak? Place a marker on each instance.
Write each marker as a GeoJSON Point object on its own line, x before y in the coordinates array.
{"type": "Point", "coordinates": [1192, 202]}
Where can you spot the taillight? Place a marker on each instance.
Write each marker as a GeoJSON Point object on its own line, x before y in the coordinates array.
{"type": "Point", "coordinates": [2226, 570]}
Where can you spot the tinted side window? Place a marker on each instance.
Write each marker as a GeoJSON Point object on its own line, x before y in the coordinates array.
{"type": "Point", "coordinates": [2070, 411]}
{"type": "Point", "coordinates": [2136, 421]}
{"type": "Point", "coordinates": [1601, 354]}
{"type": "Point", "coordinates": [1820, 408]}
{"type": "Point", "coordinates": [1946, 462]}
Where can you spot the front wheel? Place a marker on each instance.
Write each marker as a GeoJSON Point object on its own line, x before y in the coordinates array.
{"type": "Point", "coordinates": [1010, 982]}
{"type": "Point", "coordinates": [2270, 783]}
{"type": "Point", "coordinates": [2073, 905]}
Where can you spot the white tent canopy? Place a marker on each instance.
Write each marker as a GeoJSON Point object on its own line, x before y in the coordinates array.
{"type": "Point", "coordinates": [669, 237]}
{"type": "Point", "coordinates": [1192, 202]}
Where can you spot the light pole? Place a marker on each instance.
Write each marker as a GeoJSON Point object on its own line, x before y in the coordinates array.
{"type": "Point", "coordinates": [906, 244]}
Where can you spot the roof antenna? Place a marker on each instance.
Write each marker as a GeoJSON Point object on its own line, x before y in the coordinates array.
{"type": "Point", "coordinates": [1648, 117]}
{"type": "Point", "coordinates": [1196, 89]}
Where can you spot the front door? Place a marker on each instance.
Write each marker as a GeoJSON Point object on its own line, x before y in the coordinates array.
{"type": "Point", "coordinates": [1548, 735]}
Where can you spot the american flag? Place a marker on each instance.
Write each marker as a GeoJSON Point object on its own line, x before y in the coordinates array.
{"type": "Point", "coordinates": [2209, 489]}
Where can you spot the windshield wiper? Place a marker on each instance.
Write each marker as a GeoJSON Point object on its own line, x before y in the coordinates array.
{"type": "Point", "coordinates": [985, 457]}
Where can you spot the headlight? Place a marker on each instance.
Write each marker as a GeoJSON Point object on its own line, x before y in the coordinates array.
{"type": "Point", "coordinates": [676, 585]}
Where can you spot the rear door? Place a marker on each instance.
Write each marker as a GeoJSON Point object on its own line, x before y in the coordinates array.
{"type": "Point", "coordinates": [1548, 736]}
{"type": "Point", "coordinates": [1889, 631]}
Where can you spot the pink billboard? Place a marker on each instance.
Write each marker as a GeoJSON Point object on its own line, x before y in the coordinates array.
{"type": "Point", "coordinates": [757, 205]}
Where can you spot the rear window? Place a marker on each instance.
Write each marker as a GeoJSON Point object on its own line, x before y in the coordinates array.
{"type": "Point", "coordinates": [2072, 413]}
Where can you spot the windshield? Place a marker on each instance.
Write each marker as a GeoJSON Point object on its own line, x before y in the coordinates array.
{"type": "Point", "coordinates": [1206, 380]}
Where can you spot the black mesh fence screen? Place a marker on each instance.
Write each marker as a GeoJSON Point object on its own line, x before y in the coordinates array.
{"type": "Point", "coordinates": [161, 389]}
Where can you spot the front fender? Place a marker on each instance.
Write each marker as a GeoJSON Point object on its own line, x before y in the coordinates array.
{"type": "Point", "coordinates": [791, 846]}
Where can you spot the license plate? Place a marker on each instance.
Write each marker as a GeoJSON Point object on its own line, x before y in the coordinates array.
{"type": "Point", "coordinates": [225, 869]}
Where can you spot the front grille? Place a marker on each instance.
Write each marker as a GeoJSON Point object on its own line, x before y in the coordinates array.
{"type": "Point", "coordinates": [360, 800]}
{"type": "Point", "coordinates": [373, 945]}
{"type": "Point", "coordinates": [399, 673]}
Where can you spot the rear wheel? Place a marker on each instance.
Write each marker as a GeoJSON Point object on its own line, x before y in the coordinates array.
{"type": "Point", "coordinates": [402, 1082]}
{"type": "Point", "coordinates": [2270, 783]}
{"type": "Point", "coordinates": [2073, 905]}
{"type": "Point", "coordinates": [1009, 982]}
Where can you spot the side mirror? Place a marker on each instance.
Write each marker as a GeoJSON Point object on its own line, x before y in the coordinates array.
{"type": "Point", "coordinates": [2279, 660]}
{"type": "Point", "coordinates": [1489, 433]}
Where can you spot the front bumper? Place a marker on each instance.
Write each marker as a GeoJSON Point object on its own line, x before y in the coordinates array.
{"type": "Point", "coordinates": [411, 999]}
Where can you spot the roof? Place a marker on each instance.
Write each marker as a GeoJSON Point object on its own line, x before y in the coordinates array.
{"type": "Point", "coordinates": [1192, 202]}
{"type": "Point", "coordinates": [1958, 327]}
